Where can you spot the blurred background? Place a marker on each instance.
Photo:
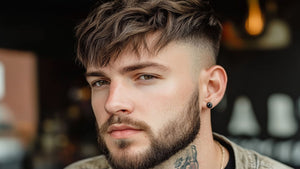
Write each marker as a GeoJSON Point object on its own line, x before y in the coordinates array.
{"type": "Point", "coordinates": [46, 121]}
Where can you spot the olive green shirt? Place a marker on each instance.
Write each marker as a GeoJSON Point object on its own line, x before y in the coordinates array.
{"type": "Point", "coordinates": [244, 159]}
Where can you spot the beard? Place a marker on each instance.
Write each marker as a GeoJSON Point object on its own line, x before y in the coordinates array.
{"type": "Point", "coordinates": [174, 136]}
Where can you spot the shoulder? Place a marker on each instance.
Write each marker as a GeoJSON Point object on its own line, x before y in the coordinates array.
{"type": "Point", "coordinates": [98, 162]}
{"type": "Point", "coordinates": [248, 159]}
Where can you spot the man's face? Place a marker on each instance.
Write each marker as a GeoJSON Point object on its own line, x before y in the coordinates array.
{"type": "Point", "coordinates": [146, 108]}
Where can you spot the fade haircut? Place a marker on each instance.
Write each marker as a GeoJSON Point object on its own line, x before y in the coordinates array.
{"type": "Point", "coordinates": [116, 25]}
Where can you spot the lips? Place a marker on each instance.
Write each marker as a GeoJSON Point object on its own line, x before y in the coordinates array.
{"type": "Point", "coordinates": [121, 131]}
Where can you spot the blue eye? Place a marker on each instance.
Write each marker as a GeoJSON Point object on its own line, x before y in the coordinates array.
{"type": "Point", "coordinates": [146, 77]}
{"type": "Point", "coordinates": [100, 83]}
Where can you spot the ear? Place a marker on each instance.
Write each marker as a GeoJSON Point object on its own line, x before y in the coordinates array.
{"type": "Point", "coordinates": [214, 85]}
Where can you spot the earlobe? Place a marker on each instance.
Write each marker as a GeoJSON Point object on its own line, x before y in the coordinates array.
{"type": "Point", "coordinates": [215, 85]}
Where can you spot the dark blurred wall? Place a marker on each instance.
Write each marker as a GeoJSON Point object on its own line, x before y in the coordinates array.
{"type": "Point", "coordinates": [261, 108]}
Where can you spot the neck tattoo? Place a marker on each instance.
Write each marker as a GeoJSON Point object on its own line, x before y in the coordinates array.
{"type": "Point", "coordinates": [189, 161]}
{"type": "Point", "coordinates": [223, 156]}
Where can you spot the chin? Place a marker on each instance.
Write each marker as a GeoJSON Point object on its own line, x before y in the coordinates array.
{"type": "Point", "coordinates": [130, 153]}
{"type": "Point", "coordinates": [128, 146]}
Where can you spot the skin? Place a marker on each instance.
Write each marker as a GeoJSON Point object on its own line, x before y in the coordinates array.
{"type": "Point", "coordinates": [154, 89]}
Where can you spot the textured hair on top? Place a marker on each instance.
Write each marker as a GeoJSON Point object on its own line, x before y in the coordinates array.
{"type": "Point", "coordinates": [116, 25]}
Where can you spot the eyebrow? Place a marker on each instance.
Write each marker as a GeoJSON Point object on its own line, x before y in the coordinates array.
{"type": "Point", "coordinates": [94, 73]}
{"type": "Point", "coordinates": [139, 66]}
{"type": "Point", "coordinates": [130, 68]}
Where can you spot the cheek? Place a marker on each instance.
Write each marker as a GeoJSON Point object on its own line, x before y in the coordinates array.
{"type": "Point", "coordinates": [164, 103]}
{"type": "Point", "coordinates": [171, 94]}
{"type": "Point", "coordinates": [98, 109]}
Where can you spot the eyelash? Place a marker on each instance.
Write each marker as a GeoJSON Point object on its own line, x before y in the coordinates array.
{"type": "Point", "coordinates": [103, 82]}
{"type": "Point", "coordinates": [146, 77]}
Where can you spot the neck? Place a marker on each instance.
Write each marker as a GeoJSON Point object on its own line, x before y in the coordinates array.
{"type": "Point", "coordinates": [186, 158]}
{"type": "Point", "coordinates": [196, 157]}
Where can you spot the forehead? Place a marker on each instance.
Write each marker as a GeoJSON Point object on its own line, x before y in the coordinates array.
{"type": "Point", "coordinates": [174, 54]}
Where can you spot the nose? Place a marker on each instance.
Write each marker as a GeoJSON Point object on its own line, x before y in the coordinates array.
{"type": "Point", "coordinates": [119, 99]}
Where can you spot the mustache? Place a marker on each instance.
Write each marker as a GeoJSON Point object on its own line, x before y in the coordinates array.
{"type": "Point", "coordinates": [123, 120]}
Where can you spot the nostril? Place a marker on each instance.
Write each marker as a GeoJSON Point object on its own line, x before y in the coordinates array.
{"type": "Point", "coordinates": [124, 111]}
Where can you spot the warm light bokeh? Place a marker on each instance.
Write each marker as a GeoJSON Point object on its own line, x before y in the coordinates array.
{"type": "Point", "coordinates": [254, 23]}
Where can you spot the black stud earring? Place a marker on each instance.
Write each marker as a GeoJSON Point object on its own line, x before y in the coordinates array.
{"type": "Point", "coordinates": [209, 105]}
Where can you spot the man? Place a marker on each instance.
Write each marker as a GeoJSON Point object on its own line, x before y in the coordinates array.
{"type": "Point", "coordinates": [151, 65]}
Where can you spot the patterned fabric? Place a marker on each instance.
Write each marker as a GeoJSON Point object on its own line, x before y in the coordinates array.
{"type": "Point", "coordinates": [244, 159]}
{"type": "Point", "coordinates": [98, 162]}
